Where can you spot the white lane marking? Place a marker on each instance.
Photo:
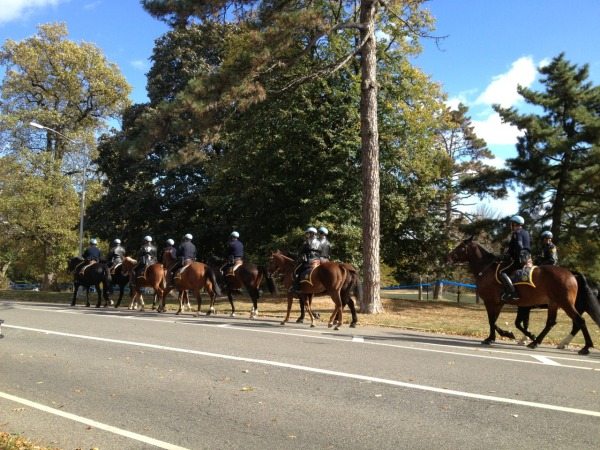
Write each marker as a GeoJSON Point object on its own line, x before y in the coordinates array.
{"type": "Point", "coordinates": [358, 339]}
{"type": "Point", "coordinates": [92, 423]}
{"type": "Point", "coordinates": [336, 373]}
{"type": "Point", "coordinates": [318, 334]}
{"type": "Point", "coordinates": [546, 360]}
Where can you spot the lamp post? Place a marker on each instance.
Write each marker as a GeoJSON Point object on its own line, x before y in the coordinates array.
{"type": "Point", "coordinates": [83, 180]}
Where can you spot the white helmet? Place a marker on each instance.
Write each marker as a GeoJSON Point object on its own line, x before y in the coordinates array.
{"type": "Point", "coordinates": [93, 241]}
{"type": "Point", "coordinates": [235, 234]}
{"type": "Point", "coordinates": [148, 239]}
{"type": "Point", "coordinates": [188, 236]}
{"type": "Point", "coordinates": [311, 230]}
{"type": "Point", "coordinates": [170, 242]}
{"type": "Point", "coordinates": [117, 241]}
{"type": "Point", "coordinates": [517, 219]}
{"type": "Point", "coordinates": [323, 230]}
{"type": "Point", "coordinates": [547, 234]}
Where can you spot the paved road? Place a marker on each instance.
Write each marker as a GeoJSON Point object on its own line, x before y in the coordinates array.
{"type": "Point", "coordinates": [84, 378]}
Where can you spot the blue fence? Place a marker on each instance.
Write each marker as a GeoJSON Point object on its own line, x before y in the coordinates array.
{"type": "Point", "coordinates": [427, 285]}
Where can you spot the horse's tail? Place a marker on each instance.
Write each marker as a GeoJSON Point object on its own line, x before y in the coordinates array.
{"type": "Point", "coordinates": [107, 281]}
{"type": "Point", "coordinates": [586, 299]}
{"type": "Point", "coordinates": [269, 279]}
{"type": "Point", "coordinates": [213, 280]}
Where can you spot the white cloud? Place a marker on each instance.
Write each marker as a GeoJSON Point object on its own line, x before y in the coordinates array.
{"type": "Point", "coordinates": [503, 88]}
{"type": "Point", "coordinates": [140, 64]}
{"type": "Point", "coordinates": [16, 9]}
{"type": "Point", "coordinates": [494, 132]}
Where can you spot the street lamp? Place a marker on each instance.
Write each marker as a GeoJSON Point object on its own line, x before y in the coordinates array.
{"type": "Point", "coordinates": [83, 179]}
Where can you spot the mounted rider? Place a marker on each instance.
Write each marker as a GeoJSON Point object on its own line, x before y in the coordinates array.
{"type": "Point", "coordinates": [91, 255]}
{"type": "Point", "coordinates": [186, 254]}
{"type": "Point", "coordinates": [147, 255]}
{"type": "Point", "coordinates": [549, 254]}
{"type": "Point", "coordinates": [116, 255]}
{"type": "Point", "coordinates": [169, 254]}
{"type": "Point", "coordinates": [324, 244]}
{"type": "Point", "coordinates": [308, 257]}
{"type": "Point", "coordinates": [518, 254]}
{"type": "Point", "coordinates": [235, 254]}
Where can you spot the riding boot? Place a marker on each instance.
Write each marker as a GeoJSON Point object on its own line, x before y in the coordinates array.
{"type": "Point", "coordinates": [510, 293]}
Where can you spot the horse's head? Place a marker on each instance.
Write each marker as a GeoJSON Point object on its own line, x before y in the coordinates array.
{"type": "Point", "coordinates": [74, 262]}
{"type": "Point", "coordinates": [462, 251]}
{"type": "Point", "coordinates": [128, 264]}
{"type": "Point", "coordinates": [278, 262]}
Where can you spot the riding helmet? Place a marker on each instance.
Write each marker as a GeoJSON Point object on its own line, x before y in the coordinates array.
{"type": "Point", "coordinates": [148, 239]}
{"type": "Point", "coordinates": [323, 230]}
{"type": "Point", "coordinates": [93, 241]}
{"type": "Point", "coordinates": [170, 242]}
{"type": "Point", "coordinates": [188, 236]}
{"type": "Point", "coordinates": [117, 241]}
{"type": "Point", "coordinates": [235, 234]}
{"type": "Point", "coordinates": [311, 230]}
{"type": "Point", "coordinates": [547, 234]}
{"type": "Point", "coordinates": [517, 219]}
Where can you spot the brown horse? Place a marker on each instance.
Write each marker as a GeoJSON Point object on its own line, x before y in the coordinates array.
{"type": "Point", "coordinates": [552, 285]}
{"type": "Point", "coordinates": [250, 277]}
{"type": "Point", "coordinates": [193, 277]}
{"type": "Point", "coordinates": [153, 277]}
{"type": "Point", "coordinates": [327, 278]}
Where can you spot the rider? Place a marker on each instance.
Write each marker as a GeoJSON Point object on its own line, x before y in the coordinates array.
{"type": "Point", "coordinates": [549, 254]}
{"type": "Point", "coordinates": [518, 253]}
{"type": "Point", "coordinates": [147, 255]}
{"type": "Point", "coordinates": [91, 255]}
{"type": "Point", "coordinates": [324, 245]}
{"type": "Point", "coordinates": [186, 254]}
{"type": "Point", "coordinates": [309, 254]}
{"type": "Point", "coordinates": [235, 253]}
{"type": "Point", "coordinates": [169, 253]}
{"type": "Point", "coordinates": [116, 254]}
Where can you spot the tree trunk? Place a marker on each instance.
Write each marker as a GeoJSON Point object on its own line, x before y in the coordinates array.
{"type": "Point", "coordinates": [370, 162]}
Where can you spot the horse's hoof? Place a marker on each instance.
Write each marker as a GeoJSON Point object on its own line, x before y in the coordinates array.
{"type": "Point", "coordinates": [233, 315]}
{"type": "Point", "coordinates": [329, 325]}
{"type": "Point", "coordinates": [510, 335]}
{"type": "Point", "coordinates": [532, 345]}
{"type": "Point", "coordinates": [312, 325]}
{"type": "Point", "coordinates": [584, 351]}
{"type": "Point", "coordinates": [353, 325]}
{"type": "Point", "coordinates": [487, 342]}
{"type": "Point", "coordinates": [316, 315]}
{"type": "Point", "coordinates": [300, 320]}
{"type": "Point", "coordinates": [282, 323]}
{"type": "Point", "coordinates": [561, 346]}
{"type": "Point", "coordinates": [336, 328]}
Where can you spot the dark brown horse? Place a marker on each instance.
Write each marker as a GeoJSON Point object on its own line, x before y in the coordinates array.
{"type": "Point", "coordinates": [328, 278]}
{"type": "Point", "coordinates": [95, 274]}
{"type": "Point", "coordinates": [250, 277]}
{"type": "Point", "coordinates": [552, 285]}
{"type": "Point", "coordinates": [193, 277]}
{"type": "Point", "coordinates": [153, 276]}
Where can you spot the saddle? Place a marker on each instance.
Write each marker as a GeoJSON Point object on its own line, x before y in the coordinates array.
{"type": "Point", "coordinates": [306, 274]}
{"type": "Point", "coordinates": [522, 276]}
{"type": "Point", "coordinates": [187, 263]}
{"type": "Point", "coordinates": [85, 265]}
{"type": "Point", "coordinates": [231, 269]}
{"type": "Point", "coordinates": [113, 269]}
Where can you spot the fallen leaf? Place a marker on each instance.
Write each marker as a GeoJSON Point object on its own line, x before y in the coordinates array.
{"type": "Point", "coordinates": [247, 388]}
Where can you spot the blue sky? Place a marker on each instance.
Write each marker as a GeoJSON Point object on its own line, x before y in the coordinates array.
{"type": "Point", "coordinates": [490, 48]}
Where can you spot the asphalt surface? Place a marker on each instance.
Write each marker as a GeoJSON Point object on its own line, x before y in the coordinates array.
{"type": "Point", "coordinates": [101, 378]}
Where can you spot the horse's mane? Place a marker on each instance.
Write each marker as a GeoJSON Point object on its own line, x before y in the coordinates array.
{"type": "Point", "coordinates": [484, 251]}
{"type": "Point", "coordinates": [130, 260]}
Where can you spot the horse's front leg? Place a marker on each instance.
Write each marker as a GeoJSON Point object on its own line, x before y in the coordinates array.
{"type": "Point", "coordinates": [121, 292]}
{"type": "Point", "coordinates": [230, 298]}
{"type": "Point", "coordinates": [290, 299]}
{"type": "Point", "coordinates": [550, 322]}
{"type": "Point", "coordinates": [337, 312]}
{"type": "Point", "coordinates": [197, 294]}
{"type": "Point", "coordinates": [301, 318]}
{"type": "Point", "coordinates": [254, 295]}
{"type": "Point", "coordinates": [307, 305]}
{"type": "Point", "coordinates": [75, 290]}
{"type": "Point", "coordinates": [493, 311]}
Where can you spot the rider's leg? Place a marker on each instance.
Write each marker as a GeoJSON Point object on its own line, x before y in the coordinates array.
{"type": "Point", "coordinates": [510, 293]}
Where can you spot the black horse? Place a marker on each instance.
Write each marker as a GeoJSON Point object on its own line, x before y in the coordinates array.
{"type": "Point", "coordinates": [121, 280]}
{"type": "Point", "coordinates": [97, 275]}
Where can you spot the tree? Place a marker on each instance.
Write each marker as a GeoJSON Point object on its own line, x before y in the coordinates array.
{"type": "Point", "coordinates": [273, 35]}
{"type": "Point", "coordinates": [71, 89]}
{"type": "Point", "coordinates": [559, 156]}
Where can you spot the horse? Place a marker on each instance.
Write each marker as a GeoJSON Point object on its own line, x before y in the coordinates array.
{"type": "Point", "coordinates": [96, 274]}
{"type": "Point", "coordinates": [194, 277]}
{"type": "Point", "coordinates": [552, 285]}
{"type": "Point", "coordinates": [121, 279]}
{"type": "Point", "coordinates": [327, 278]}
{"type": "Point", "coordinates": [153, 276]}
{"type": "Point", "coordinates": [250, 277]}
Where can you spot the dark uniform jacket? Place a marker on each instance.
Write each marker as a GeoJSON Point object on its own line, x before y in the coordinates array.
{"type": "Point", "coordinates": [518, 245]}
{"type": "Point", "coordinates": [186, 250]}
{"type": "Point", "coordinates": [325, 249]}
{"type": "Point", "coordinates": [169, 250]}
{"type": "Point", "coordinates": [116, 255]}
{"type": "Point", "coordinates": [92, 253]}
{"type": "Point", "coordinates": [147, 254]}
{"type": "Point", "coordinates": [235, 250]}
{"type": "Point", "coordinates": [310, 250]}
{"type": "Point", "coordinates": [549, 255]}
